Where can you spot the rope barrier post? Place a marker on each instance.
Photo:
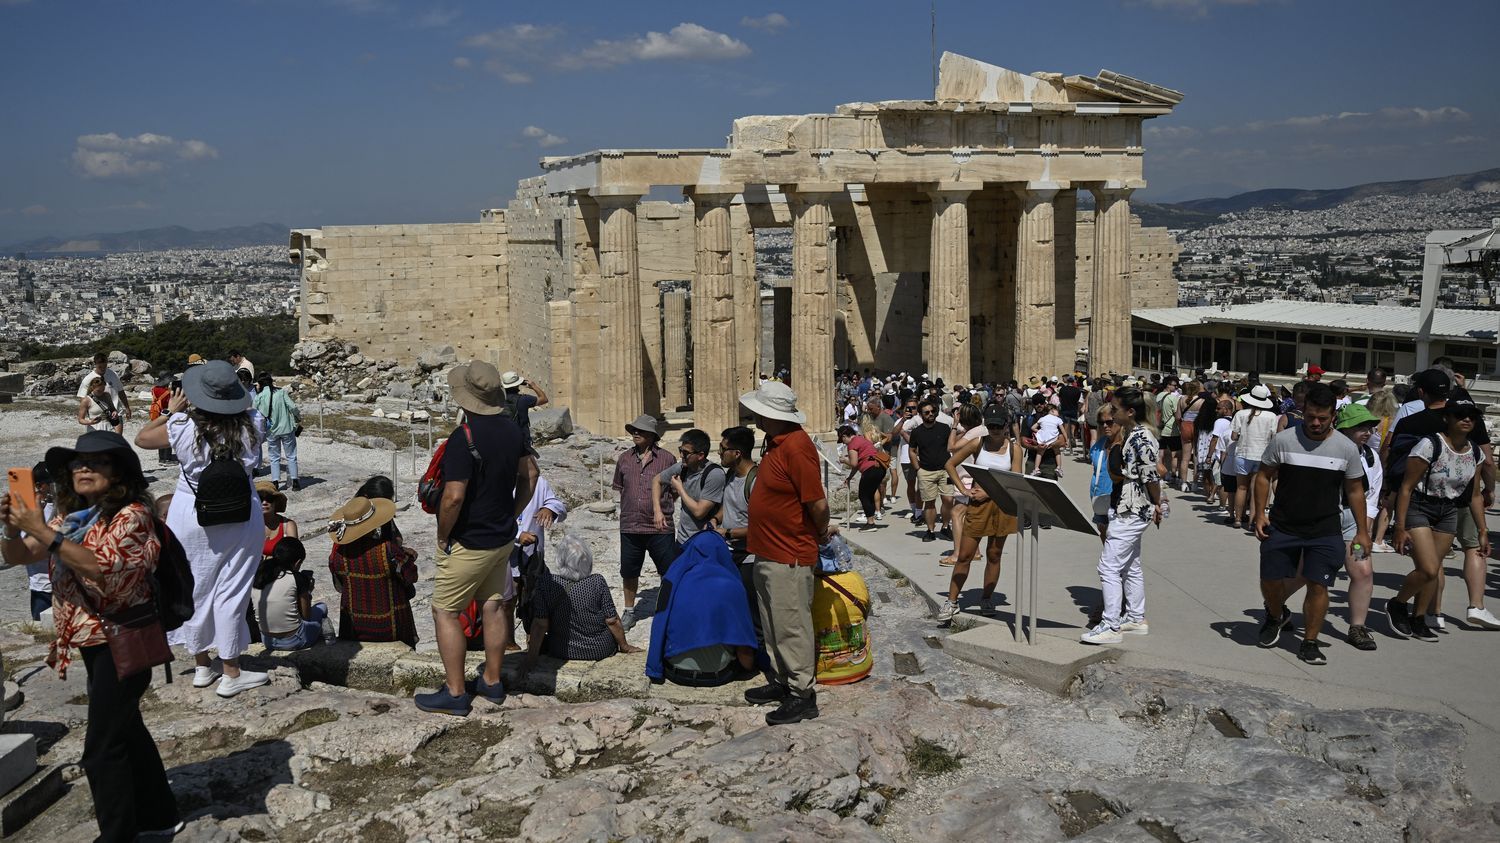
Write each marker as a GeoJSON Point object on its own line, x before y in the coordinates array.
{"type": "Point", "coordinates": [394, 484]}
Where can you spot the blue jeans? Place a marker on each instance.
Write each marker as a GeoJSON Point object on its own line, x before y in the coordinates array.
{"type": "Point", "coordinates": [310, 633]}
{"type": "Point", "coordinates": [41, 601]}
{"type": "Point", "coordinates": [285, 445]}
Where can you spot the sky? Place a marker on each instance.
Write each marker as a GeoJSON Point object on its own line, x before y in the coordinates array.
{"type": "Point", "coordinates": [125, 115]}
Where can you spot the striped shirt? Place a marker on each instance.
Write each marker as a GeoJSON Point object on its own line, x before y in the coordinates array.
{"type": "Point", "coordinates": [1310, 477]}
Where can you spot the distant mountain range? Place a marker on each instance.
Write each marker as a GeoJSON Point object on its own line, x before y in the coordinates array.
{"type": "Point", "coordinates": [1197, 213]}
{"type": "Point", "coordinates": [157, 239]}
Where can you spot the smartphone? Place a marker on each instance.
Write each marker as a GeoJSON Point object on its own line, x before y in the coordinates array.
{"type": "Point", "coordinates": [22, 487]}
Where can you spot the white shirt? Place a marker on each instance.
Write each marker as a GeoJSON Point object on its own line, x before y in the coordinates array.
{"type": "Point", "coordinates": [543, 498]}
{"type": "Point", "coordinates": [1407, 409]}
{"type": "Point", "coordinates": [1255, 429]}
{"type": "Point", "coordinates": [244, 364]}
{"type": "Point", "coordinates": [112, 385]}
{"type": "Point", "coordinates": [1049, 427]}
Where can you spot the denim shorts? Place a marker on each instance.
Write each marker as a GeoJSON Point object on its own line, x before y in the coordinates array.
{"type": "Point", "coordinates": [1438, 514]}
{"type": "Point", "coordinates": [1244, 467]}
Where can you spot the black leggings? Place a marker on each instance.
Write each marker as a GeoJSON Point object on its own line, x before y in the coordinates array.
{"type": "Point", "coordinates": [869, 483]}
{"type": "Point", "coordinates": [124, 770]}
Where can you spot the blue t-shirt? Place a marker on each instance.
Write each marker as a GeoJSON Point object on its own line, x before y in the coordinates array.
{"type": "Point", "coordinates": [488, 517]}
{"type": "Point", "coordinates": [523, 404]}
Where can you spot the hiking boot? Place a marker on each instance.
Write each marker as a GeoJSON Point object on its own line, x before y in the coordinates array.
{"type": "Point", "coordinates": [946, 613]}
{"type": "Point", "coordinates": [766, 694]}
{"type": "Point", "coordinates": [1399, 617]}
{"type": "Point", "coordinates": [794, 710]}
{"type": "Point", "coordinates": [1102, 634]}
{"type": "Point", "coordinates": [1311, 653]}
{"type": "Point", "coordinates": [296, 485]}
{"type": "Point", "coordinates": [1421, 631]}
{"type": "Point", "coordinates": [1360, 638]}
{"type": "Point", "coordinates": [442, 701]}
{"type": "Point", "coordinates": [627, 618]}
{"type": "Point", "coordinates": [477, 687]}
{"type": "Point", "coordinates": [1482, 618]}
{"type": "Point", "coordinates": [231, 685]}
{"type": "Point", "coordinates": [1139, 627]}
{"type": "Point", "coordinates": [1270, 628]}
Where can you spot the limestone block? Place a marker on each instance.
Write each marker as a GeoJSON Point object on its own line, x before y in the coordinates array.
{"type": "Point", "coordinates": [551, 423]}
{"type": "Point", "coordinates": [17, 760]}
{"type": "Point", "coordinates": [12, 382]}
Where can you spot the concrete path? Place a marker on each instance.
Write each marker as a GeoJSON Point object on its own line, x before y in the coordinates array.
{"type": "Point", "coordinates": [1204, 606]}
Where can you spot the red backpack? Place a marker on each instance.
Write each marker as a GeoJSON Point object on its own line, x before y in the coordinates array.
{"type": "Point", "coordinates": [430, 489]}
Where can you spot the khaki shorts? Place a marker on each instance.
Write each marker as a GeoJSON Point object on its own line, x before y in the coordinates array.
{"type": "Point", "coordinates": [1468, 531]}
{"type": "Point", "coordinates": [465, 575]}
{"type": "Point", "coordinates": [934, 484]}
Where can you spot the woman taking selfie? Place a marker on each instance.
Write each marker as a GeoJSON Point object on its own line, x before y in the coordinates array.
{"type": "Point", "coordinates": [102, 545]}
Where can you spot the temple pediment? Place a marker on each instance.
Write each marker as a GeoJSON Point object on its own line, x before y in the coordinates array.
{"type": "Point", "coordinates": [967, 80]}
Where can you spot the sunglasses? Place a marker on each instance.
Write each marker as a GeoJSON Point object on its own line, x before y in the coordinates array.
{"type": "Point", "coordinates": [1108, 422]}
{"type": "Point", "coordinates": [89, 463]}
{"type": "Point", "coordinates": [686, 452]}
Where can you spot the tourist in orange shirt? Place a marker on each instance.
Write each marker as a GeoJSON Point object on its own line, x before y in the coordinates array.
{"type": "Point", "coordinates": [788, 520]}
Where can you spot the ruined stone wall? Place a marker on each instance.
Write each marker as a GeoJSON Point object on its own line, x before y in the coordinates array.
{"type": "Point", "coordinates": [397, 290]}
{"type": "Point", "coordinates": [1153, 253]}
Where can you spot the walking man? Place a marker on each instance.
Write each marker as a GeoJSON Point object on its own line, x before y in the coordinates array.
{"type": "Point", "coordinates": [476, 532]}
{"type": "Point", "coordinates": [1316, 474]}
{"type": "Point", "coordinates": [639, 532]}
{"type": "Point", "coordinates": [929, 453]}
{"type": "Point", "coordinates": [788, 520]}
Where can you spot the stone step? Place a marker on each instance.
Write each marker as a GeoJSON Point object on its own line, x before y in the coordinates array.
{"type": "Point", "coordinates": [33, 796]}
{"type": "Point", "coordinates": [17, 760]}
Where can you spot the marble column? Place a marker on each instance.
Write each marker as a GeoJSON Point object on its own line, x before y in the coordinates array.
{"type": "Point", "coordinates": [1109, 326]}
{"type": "Point", "coordinates": [948, 340]}
{"type": "Point", "coordinates": [1036, 283]}
{"type": "Point", "coordinates": [1065, 323]}
{"type": "Point", "coordinates": [813, 302]}
{"type": "Point", "coordinates": [746, 299]}
{"type": "Point", "coordinates": [715, 357]}
{"type": "Point", "coordinates": [674, 350]}
{"type": "Point", "coordinates": [621, 374]}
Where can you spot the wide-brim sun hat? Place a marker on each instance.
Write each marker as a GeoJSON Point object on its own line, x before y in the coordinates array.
{"type": "Point", "coordinates": [1463, 408]}
{"type": "Point", "coordinates": [1354, 415]}
{"type": "Point", "coordinates": [1258, 397]}
{"type": "Point", "coordinates": [214, 387]}
{"type": "Point", "coordinates": [512, 380]}
{"type": "Point", "coordinates": [476, 388]}
{"type": "Point", "coordinates": [774, 401]}
{"type": "Point", "coordinates": [360, 517]}
{"type": "Point", "coordinates": [268, 493]}
{"type": "Point", "coordinates": [644, 423]}
{"type": "Point", "coordinates": [127, 463]}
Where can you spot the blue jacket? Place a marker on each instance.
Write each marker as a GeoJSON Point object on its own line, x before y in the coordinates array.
{"type": "Point", "coordinates": [702, 603]}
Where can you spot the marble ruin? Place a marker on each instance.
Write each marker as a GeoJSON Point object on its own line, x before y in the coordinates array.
{"type": "Point", "coordinates": [941, 236]}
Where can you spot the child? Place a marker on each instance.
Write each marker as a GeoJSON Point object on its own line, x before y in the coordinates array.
{"type": "Point", "coordinates": [288, 618]}
{"type": "Point", "coordinates": [1048, 433]}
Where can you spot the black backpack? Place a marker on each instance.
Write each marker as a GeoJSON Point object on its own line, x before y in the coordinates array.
{"type": "Point", "coordinates": [172, 582]}
{"type": "Point", "coordinates": [1401, 447]}
{"type": "Point", "coordinates": [223, 492]}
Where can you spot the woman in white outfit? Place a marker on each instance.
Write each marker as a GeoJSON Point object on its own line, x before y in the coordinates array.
{"type": "Point", "coordinates": [212, 413]}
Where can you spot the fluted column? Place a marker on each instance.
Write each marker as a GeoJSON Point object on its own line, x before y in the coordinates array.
{"type": "Point", "coordinates": [621, 381]}
{"type": "Point", "coordinates": [746, 299]}
{"type": "Point", "coordinates": [1065, 255]}
{"type": "Point", "coordinates": [813, 303]}
{"type": "Point", "coordinates": [948, 351]}
{"type": "Point", "coordinates": [1036, 283]}
{"type": "Point", "coordinates": [1109, 326]}
{"type": "Point", "coordinates": [674, 350]}
{"type": "Point", "coordinates": [715, 384]}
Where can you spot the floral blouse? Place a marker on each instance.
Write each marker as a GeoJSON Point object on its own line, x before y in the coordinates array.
{"type": "Point", "coordinates": [1138, 467]}
{"type": "Point", "coordinates": [126, 548]}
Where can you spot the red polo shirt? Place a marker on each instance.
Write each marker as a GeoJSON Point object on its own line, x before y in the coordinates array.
{"type": "Point", "coordinates": [788, 479]}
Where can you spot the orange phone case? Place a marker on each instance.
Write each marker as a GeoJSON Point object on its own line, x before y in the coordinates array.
{"type": "Point", "coordinates": [22, 487]}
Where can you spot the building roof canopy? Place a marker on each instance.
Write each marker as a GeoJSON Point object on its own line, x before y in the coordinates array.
{"type": "Point", "coordinates": [1403, 322]}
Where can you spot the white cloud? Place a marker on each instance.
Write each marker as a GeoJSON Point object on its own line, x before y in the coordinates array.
{"type": "Point", "coordinates": [515, 77]}
{"type": "Point", "coordinates": [436, 18]}
{"type": "Point", "coordinates": [543, 138]}
{"type": "Point", "coordinates": [462, 62]}
{"type": "Point", "coordinates": [35, 211]}
{"type": "Point", "coordinates": [1170, 133]}
{"type": "Point", "coordinates": [1462, 139]}
{"type": "Point", "coordinates": [520, 37]}
{"type": "Point", "coordinates": [774, 22]}
{"type": "Point", "coordinates": [108, 156]}
{"type": "Point", "coordinates": [1388, 117]}
{"type": "Point", "coordinates": [685, 42]}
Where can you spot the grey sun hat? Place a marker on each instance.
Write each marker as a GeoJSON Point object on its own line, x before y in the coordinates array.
{"type": "Point", "coordinates": [476, 388]}
{"type": "Point", "coordinates": [214, 387]}
{"type": "Point", "coordinates": [774, 400]}
{"type": "Point", "coordinates": [645, 423]}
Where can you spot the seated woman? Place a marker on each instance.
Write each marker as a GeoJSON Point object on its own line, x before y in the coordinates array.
{"type": "Point", "coordinates": [289, 620]}
{"type": "Point", "coordinates": [374, 573]}
{"type": "Point", "coordinates": [571, 614]}
{"type": "Point", "coordinates": [272, 507]}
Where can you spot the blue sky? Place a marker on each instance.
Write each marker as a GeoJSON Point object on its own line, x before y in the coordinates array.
{"type": "Point", "coordinates": [315, 112]}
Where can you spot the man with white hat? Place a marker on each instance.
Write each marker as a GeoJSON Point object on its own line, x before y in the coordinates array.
{"type": "Point", "coordinates": [522, 405]}
{"type": "Point", "coordinates": [788, 520]}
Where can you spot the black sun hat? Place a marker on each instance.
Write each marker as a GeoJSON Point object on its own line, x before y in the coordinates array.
{"type": "Point", "coordinates": [95, 442]}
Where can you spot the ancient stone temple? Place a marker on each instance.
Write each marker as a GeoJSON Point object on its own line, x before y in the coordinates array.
{"type": "Point", "coordinates": [983, 234]}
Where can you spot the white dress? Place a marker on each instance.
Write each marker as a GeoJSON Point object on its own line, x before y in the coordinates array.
{"type": "Point", "coordinates": [223, 558]}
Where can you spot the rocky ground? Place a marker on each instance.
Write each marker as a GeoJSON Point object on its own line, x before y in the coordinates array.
{"type": "Point", "coordinates": [927, 748]}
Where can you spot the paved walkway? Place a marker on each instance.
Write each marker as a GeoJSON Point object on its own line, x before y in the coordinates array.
{"type": "Point", "coordinates": [1204, 606]}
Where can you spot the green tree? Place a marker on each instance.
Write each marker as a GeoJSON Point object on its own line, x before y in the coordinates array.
{"type": "Point", "coordinates": [267, 340]}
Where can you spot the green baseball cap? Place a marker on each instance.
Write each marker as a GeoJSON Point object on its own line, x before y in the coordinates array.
{"type": "Point", "coordinates": [1354, 415]}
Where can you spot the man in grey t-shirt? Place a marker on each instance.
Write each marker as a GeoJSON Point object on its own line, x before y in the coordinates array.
{"type": "Point", "coordinates": [697, 483]}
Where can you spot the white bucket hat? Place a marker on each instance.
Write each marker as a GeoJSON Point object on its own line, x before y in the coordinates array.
{"type": "Point", "coordinates": [774, 400]}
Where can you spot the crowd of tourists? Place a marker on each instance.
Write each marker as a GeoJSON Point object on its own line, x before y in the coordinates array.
{"type": "Point", "coordinates": [1323, 473]}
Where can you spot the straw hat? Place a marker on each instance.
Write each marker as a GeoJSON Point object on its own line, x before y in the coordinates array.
{"type": "Point", "coordinates": [774, 400]}
{"type": "Point", "coordinates": [268, 493]}
{"type": "Point", "coordinates": [360, 517]}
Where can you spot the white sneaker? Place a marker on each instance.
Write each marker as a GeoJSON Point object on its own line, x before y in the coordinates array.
{"type": "Point", "coordinates": [946, 613]}
{"type": "Point", "coordinates": [204, 676]}
{"type": "Point", "coordinates": [245, 681]}
{"type": "Point", "coordinates": [1135, 628]}
{"type": "Point", "coordinates": [1482, 617]}
{"type": "Point", "coordinates": [987, 607]}
{"type": "Point", "coordinates": [1435, 622]}
{"type": "Point", "coordinates": [879, 515]}
{"type": "Point", "coordinates": [1382, 547]}
{"type": "Point", "coordinates": [1101, 634]}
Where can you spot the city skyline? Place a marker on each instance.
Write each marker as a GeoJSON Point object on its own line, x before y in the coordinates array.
{"type": "Point", "coordinates": [358, 111]}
